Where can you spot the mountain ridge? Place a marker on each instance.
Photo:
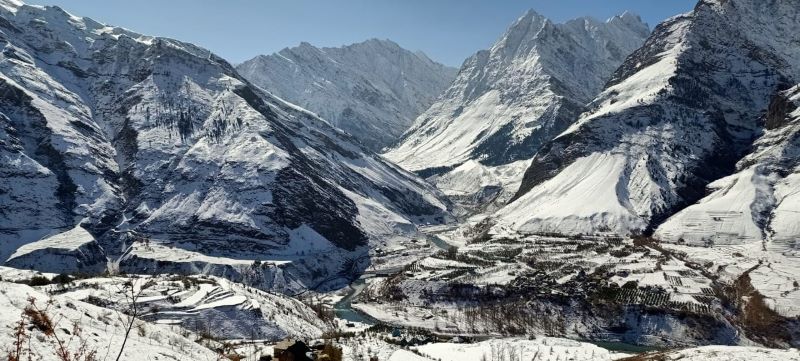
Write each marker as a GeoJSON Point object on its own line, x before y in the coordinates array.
{"type": "Point", "coordinates": [508, 100]}
{"type": "Point", "coordinates": [675, 107]}
{"type": "Point", "coordinates": [371, 89]}
{"type": "Point", "coordinates": [152, 144]}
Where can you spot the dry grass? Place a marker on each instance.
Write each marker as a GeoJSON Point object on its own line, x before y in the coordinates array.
{"type": "Point", "coordinates": [35, 318]}
{"type": "Point", "coordinates": [39, 318]}
{"type": "Point", "coordinates": [758, 321]}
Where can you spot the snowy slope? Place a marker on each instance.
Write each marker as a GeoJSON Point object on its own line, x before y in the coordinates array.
{"type": "Point", "coordinates": [70, 250]}
{"type": "Point", "coordinates": [179, 317]}
{"type": "Point", "coordinates": [549, 348]}
{"type": "Point", "coordinates": [477, 187]}
{"type": "Point", "coordinates": [101, 329]}
{"type": "Point", "coordinates": [372, 90]}
{"type": "Point", "coordinates": [142, 139]}
{"type": "Point", "coordinates": [759, 201]}
{"type": "Point", "coordinates": [224, 309]}
{"type": "Point", "coordinates": [508, 100]}
{"type": "Point", "coordinates": [528, 87]}
{"type": "Point", "coordinates": [678, 115]}
{"type": "Point", "coordinates": [728, 353]}
{"type": "Point", "coordinates": [542, 348]}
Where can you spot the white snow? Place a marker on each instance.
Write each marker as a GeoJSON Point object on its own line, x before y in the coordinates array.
{"type": "Point", "coordinates": [70, 240]}
{"type": "Point", "coordinates": [543, 348]}
{"type": "Point", "coordinates": [474, 184]}
{"type": "Point", "coordinates": [102, 329]}
{"type": "Point", "coordinates": [176, 254]}
{"type": "Point", "coordinates": [228, 301]}
{"type": "Point", "coordinates": [196, 297]}
{"type": "Point", "coordinates": [758, 202]}
{"type": "Point", "coordinates": [725, 215]}
{"type": "Point", "coordinates": [583, 198]}
{"type": "Point", "coordinates": [731, 353]}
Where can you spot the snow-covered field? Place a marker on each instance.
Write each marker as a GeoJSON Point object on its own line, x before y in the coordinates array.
{"type": "Point", "coordinates": [774, 270]}
{"type": "Point", "coordinates": [443, 292]}
{"type": "Point", "coordinates": [177, 317]}
{"type": "Point", "coordinates": [189, 317]}
{"type": "Point", "coordinates": [216, 306]}
{"type": "Point", "coordinates": [555, 349]}
{"type": "Point", "coordinates": [726, 353]}
{"type": "Point", "coordinates": [101, 329]}
{"type": "Point", "coordinates": [545, 348]}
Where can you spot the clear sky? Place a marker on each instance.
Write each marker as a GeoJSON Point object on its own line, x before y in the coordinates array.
{"type": "Point", "coordinates": [447, 30]}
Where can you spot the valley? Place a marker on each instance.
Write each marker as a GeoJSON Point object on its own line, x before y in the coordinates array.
{"type": "Point", "coordinates": [580, 190]}
{"type": "Point", "coordinates": [594, 288]}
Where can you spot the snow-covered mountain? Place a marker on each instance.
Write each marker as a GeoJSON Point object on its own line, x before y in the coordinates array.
{"type": "Point", "coordinates": [160, 152]}
{"type": "Point", "coordinates": [762, 199]}
{"type": "Point", "coordinates": [373, 90]}
{"type": "Point", "coordinates": [678, 115]}
{"type": "Point", "coordinates": [507, 101]}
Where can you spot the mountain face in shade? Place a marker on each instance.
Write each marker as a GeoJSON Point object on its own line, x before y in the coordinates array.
{"type": "Point", "coordinates": [507, 101]}
{"type": "Point", "coordinates": [704, 98]}
{"type": "Point", "coordinates": [761, 200]}
{"type": "Point", "coordinates": [372, 90]}
{"type": "Point", "coordinates": [152, 153]}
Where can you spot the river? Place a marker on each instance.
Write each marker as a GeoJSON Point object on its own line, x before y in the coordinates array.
{"type": "Point", "coordinates": [438, 242]}
{"type": "Point", "coordinates": [344, 308]}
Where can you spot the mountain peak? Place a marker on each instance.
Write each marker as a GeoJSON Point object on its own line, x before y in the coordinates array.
{"type": "Point", "coordinates": [382, 42]}
{"type": "Point", "coordinates": [524, 30]}
{"type": "Point", "coordinates": [304, 45]}
{"type": "Point", "coordinates": [632, 140]}
{"type": "Point", "coordinates": [372, 45]}
{"type": "Point", "coordinates": [627, 16]}
{"type": "Point", "coordinates": [533, 81]}
{"type": "Point", "coordinates": [372, 89]}
{"type": "Point", "coordinates": [530, 15]}
{"type": "Point", "coordinates": [629, 19]}
{"type": "Point", "coordinates": [531, 19]}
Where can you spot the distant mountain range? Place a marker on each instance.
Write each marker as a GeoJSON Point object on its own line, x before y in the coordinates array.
{"type": "Point", "coordinates": [372, 90]}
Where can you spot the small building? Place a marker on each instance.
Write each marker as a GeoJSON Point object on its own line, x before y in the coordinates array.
{"type": "Point", "coordinates": [291, 350]}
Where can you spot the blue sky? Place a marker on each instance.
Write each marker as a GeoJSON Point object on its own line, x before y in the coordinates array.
{"type": "Point", "coordinates": [447, 30]}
